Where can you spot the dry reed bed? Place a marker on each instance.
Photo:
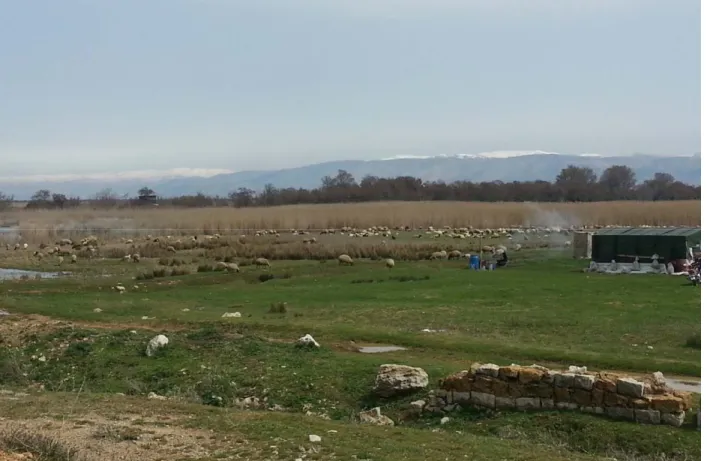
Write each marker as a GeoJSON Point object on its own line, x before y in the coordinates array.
{"type": "Point", "coordinates": [39, 224]}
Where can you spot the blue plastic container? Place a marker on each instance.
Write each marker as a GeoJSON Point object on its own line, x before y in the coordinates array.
{"type": "Point", "coordinates": [474, 262]}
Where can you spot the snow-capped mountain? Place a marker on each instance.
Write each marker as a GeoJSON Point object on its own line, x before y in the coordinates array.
{"type": "Point", "coordinates": [486, 166]}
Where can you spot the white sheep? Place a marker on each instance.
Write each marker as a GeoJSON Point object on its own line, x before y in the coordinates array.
{"type": "Point", "coordinates": [74, 258]}
{"type": "Point", "coordinates": [262, 262]}
{"type": "Point", "coordinates": [120, 289]}
{"type": "Point", "coordinates": [171, 249]}
{"type": "Point", "coordinates": [345, 259]}
{"type": "Point", "coordinates": [389, 263]}
{"type": "Point", "coordinates": [61, 260]}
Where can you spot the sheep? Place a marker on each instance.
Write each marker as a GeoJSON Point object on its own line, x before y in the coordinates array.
{"type": "Point", "coordinates": [127, 258]}
{"type": "Point", "coordinates": [345, 259]}
{"type": "Point", "coordinates": [119, 288]}
{"type": "Point", "coordinates": [61, 260]}
{"type": "Point", "coordinates": [136, 257]}
{"type": "Point", "coordinates": [74, 258]}
{"type": "Point", "coordinates": [389, 263]}
{"type": "Point", "coordinates": [262, 262]}
{"type": "Point", "coordinates": [171, 249]}
{"type": "Point", "coordinates": [439, 255]}
{"type": "Point", "coordinates": [455, 254]}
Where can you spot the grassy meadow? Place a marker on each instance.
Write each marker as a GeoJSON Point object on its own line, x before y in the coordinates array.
{"type": "Point", "coordinates": [73, 364]}
{"type": "Point", "coordinates": [77, 347]}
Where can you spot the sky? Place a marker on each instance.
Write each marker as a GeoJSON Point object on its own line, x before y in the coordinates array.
{"type": "Point", "coordinates": [110, 86]}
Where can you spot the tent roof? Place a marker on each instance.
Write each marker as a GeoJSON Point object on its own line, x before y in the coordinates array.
{"type": "Point", "coordinates": [651, 231]}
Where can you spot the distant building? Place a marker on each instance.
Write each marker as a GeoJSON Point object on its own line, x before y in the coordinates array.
{"type": "Point", "coordinates": [147, 199]}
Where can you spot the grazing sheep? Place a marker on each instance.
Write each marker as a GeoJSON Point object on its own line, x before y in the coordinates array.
{"type": "Point", "coordinates": [171, 249]}
{"type": "Point", "coordinates": [389, 263]}
{"type": "Point", "coordinates": [262, 262]}
{"type": "Point", "coordinates": [136, 257]}
{"type": "Point", "coordinates": [74, 258]}
{"type": "Point", "coordinates": [127, 258]}
{"type": "Point", "coordinates": [439, 255]}
{"type": "Point", "coordinates": [120, 289]}
{"type": "Point", "coordinates": [455, 254]}
{"type": "Point", "coordinates": [233, 267]}
{"type": "Point", "coordinates": [518, 247]}
{"type": "Point", "coordinates": [345, 259]}
{"type": "Point", "coordinates": [60, 260]}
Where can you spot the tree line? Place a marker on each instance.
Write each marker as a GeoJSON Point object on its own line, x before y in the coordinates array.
{"type": "Point", "coordinates": [572, 184]}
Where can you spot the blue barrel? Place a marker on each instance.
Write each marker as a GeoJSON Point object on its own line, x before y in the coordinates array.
{"type": "Point", "coordinates": [474, 262]}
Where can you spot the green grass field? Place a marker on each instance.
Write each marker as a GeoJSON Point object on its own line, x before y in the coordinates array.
{"type": "Point", "coordinates": [542, 309]}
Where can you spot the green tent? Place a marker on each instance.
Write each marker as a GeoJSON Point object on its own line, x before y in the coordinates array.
{"type": "Point", "coordinates": [624, 244]}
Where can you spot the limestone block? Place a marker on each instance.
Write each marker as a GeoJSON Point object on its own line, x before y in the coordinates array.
{"type": "Point", "coordinates": [647, 416]}
{"type": "Point", "coordinates": [630, 387]}
{"type": "Point", "coordinates": [483, 400]}
{"type": "Point", "coordinates": [673, 419]}
{"type": "Point", "coordinates": [528, 403]}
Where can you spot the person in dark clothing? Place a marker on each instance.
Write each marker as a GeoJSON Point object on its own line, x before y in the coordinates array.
{"type": "Point", "coordinates": [503, 260]}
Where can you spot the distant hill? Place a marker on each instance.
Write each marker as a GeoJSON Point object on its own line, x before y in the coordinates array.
{"type": "Point", "coordinates": [485, 167]}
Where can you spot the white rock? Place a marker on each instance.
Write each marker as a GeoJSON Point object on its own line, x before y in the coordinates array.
{"type": "Point", "coordinates": [445, 420]}
{"type": "Point", "coordinates": [314, 438]}
{"type": "Point", "coordinates": [395, 379]}
{"type": "Point", "coordinates": [374, 416]}
{"type": "Point", "coordinates": [98, 310]}
{"type": "Point", "coordinates": [153, 396]}
{"type": "Point", "coordinates": [307, 340]}
{"type": "Point", "coordinates": [155, 343]}
{"type": "Point", "coordinates": [231, 315]}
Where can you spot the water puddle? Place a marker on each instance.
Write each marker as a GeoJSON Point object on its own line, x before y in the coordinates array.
{"type": "Point", "coordinates": [685, 386]}
{"type": "Point", "coordinates": [14, 274]}
{"type": "Point", "coordinates": [379, 349]}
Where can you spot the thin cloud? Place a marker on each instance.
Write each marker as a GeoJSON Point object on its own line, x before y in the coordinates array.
{"type": "Point", "coordinates": [125, 175]}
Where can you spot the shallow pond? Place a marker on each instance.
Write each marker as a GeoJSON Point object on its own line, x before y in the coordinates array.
{"type": "Point", "coordinates": [14, 274]}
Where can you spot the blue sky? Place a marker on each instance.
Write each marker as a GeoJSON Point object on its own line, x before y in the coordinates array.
{"type": "Point", "coordinates": [115, 85]}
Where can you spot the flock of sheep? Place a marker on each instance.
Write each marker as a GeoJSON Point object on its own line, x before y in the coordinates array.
{"type": "Point", "coordinates": [89, 247]}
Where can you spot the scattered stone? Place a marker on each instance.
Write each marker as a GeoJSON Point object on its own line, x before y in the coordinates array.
{"type": "Point", "coordinates": [395, 379]}
{"type": "Point", "coordinates": [155, 343]}
{"type": "Point", "coordinates": [574, 369]}
{"type": "Point", "coordinates": [307, 340]}
{"type": "Point", "coordinates": [98, 310]}
{"type": "Point", "coordinates": [418, 404]}
{"type": "Point", "coordinates": [227, 315]}
{"type": "Point", "coordinates": [314, 438]}
{"type": "Point", "coordinates": [374, 416]}
{"type": "Point", "coordinates": [445, 420]}
{"type": "Point", "coordinates": [153, 396]}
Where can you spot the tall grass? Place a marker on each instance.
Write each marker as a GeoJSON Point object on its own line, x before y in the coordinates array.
{"type": "Point", "coordinates": [53, 223]}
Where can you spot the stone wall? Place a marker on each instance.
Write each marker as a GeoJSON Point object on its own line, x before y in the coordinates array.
{"type": "Point", "coordinates": [514, 387]}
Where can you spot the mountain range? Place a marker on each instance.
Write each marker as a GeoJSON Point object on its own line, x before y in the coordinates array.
{"type": "Point", "coordinates": [504, 166]}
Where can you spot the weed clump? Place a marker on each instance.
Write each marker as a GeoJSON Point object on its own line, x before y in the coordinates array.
{"type": "Point", "coordinates": [693, 341]}
{"type": "Point", "coordinates": [278, 308]}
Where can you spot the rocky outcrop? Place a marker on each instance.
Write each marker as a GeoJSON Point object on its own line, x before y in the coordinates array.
{"type": "Point", "coordinates": [399, 379]}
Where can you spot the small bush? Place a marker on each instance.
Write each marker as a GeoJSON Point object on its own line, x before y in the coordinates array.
{"type": "Point", "coordinates": [177, 271]}
{"type": "Point", "coordinates": [145, 276]}
{"type": "Point", "coordinates": [42, 447]}
{"type": "Point", "coordinates": [163, 262]}
{"type": "Point", "coordinates": [265, 277]}
{"type": "Point", "coordinates": [278, 308]}
{"type": "Point", "coordinates": [162, 272]}
{"type": "Point", "coordinates": [693, 341]}
{"type": "Point", "coordinates": [80, 349]}
{"type": "Point", "coordinates": [205, 268]}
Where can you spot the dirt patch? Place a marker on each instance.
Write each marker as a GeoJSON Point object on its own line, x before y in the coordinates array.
{"type": "Point", "coordinates": [16, 329]}
{"type": "Point", "coordinates": [126, 439]}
